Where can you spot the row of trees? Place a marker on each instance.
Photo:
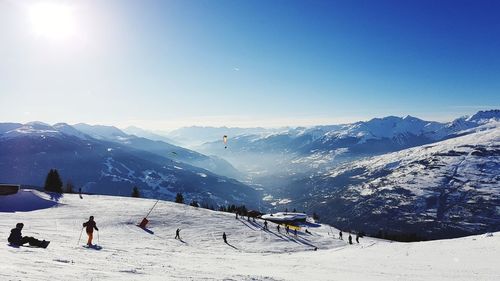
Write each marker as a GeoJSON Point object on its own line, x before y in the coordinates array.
{"type": "Point", "coordinates": [231, 208]}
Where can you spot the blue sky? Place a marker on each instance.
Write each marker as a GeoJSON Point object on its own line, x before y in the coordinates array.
{"type": "Point", "coordinates": [166, 64]}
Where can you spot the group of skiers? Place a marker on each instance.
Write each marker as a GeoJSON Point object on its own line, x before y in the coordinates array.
{"type": "Point", "coordinates": [350, 237]}
{"type": "Point", "coordinates": [16, 238]}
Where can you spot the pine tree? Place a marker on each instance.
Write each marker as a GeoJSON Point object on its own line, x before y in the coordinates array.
{"type": "Point", "coordinates": [53, 182]}
{"type": "Point", "coordinates": [179, 198]}
{"type": "Point", "coordinates": [135, 192]}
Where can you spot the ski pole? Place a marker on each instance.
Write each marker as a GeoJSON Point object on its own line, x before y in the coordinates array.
{"type": "Point", "coordinates": [80, 236]}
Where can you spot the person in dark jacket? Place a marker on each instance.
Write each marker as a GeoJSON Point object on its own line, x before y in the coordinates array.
{"type": "Point", "coordinates": [224, 237]}
{"type": "Point", "coordinates": [16, 238]}
{"type": "Point", "coordinates": [90, 226]}
{"type": "Point", "coordinates": [177, 232]}
{"type": "Point", "coordinates": [340, 234]}
{"type": "Point", "coordinates": [357, 238]}
{"type": "Point", "coordinates": [350, 239]}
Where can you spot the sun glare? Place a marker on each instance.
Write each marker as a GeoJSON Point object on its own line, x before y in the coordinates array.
{"type": "Point", "coordinates": [52, 21]}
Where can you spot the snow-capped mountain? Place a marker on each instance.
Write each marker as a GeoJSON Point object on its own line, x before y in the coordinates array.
{"type": "Point", "coordinates": [212, 163]}
{"type": "Point", "coordinates": [196, 135]}
{"type": "Point", "coordinates": [300, 150]}
{"type": "Point", "coordinates": [445, 189]}
{"type": "Point", "coordinates": [29, 151]}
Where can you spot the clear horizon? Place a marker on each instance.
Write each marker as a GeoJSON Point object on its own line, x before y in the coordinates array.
{"type": "Point", "coordinates": [162, 65]}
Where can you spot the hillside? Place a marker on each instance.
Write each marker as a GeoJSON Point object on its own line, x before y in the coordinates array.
{"type": "Point", "coordinates": [130, 253]}
{"type": "Point", "coordinates": [445, 189]}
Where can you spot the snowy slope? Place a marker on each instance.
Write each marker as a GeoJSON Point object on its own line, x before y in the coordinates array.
{"type": "Point", "coordinates": [130, 253]}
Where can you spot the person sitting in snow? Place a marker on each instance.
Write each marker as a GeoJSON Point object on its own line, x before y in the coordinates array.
{"type": "Point", "coordinates": [90, 226]}
{"type": "Point", "coordinates": [16, 238]}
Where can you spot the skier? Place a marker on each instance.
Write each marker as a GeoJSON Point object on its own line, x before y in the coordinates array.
{"type": "Point", "coordinates": [224, 237]}
{"type": "Point", "coordinates": [340, 235]}
{"type": "Point", "coordinates": [287, 228]}
{"type": "Point", "coordinates": [278, 227]}
{"type": "Point", "coordinates": [80, 192]}
{"type": "Point", "coordinates": [177, 234]}
{"type": "Point", "coordinates": [16, 238]}
{"type": "Point", "coordinates": [265, 225]}
{"type": "Point", "coordinates": [236, 215]}
{"type": "Point", "coordinates": [350, 239]}
{"type": "Point", "coordinates": [90, 226]}
{"type": "Point", "coordinates": [357, 238]}
{"type": "Point", "coordinates": [295, 232]}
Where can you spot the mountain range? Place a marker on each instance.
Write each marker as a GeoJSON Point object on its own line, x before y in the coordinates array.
{"type": "Point", "coordinates": [105, 160]}
{"type": "Point", "coordinates": [395, 174]}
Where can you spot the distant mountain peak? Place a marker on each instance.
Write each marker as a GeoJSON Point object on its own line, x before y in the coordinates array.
{"type": "Point", "coordinates": [484, 116]}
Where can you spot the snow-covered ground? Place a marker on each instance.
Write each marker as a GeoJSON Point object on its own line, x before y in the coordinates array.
{"type": "Point", "coordinates": [130, 253]}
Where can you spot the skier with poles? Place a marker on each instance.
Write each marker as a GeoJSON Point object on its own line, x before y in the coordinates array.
{"type": "Point", "coordinates": [265, 225]}
{"type": "Point", "coordinates": [90, 225]}
{"type": "Point", "coordinates": [177, 236]}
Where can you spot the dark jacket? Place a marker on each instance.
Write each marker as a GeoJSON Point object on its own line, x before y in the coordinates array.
{"type": "Point", "coordinates": [15, 236]}
{"type": "Point", "coordinates": [90, 226]}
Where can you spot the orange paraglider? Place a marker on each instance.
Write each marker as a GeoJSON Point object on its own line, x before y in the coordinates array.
{"type": "Point", "coordinates": [224, 138]}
